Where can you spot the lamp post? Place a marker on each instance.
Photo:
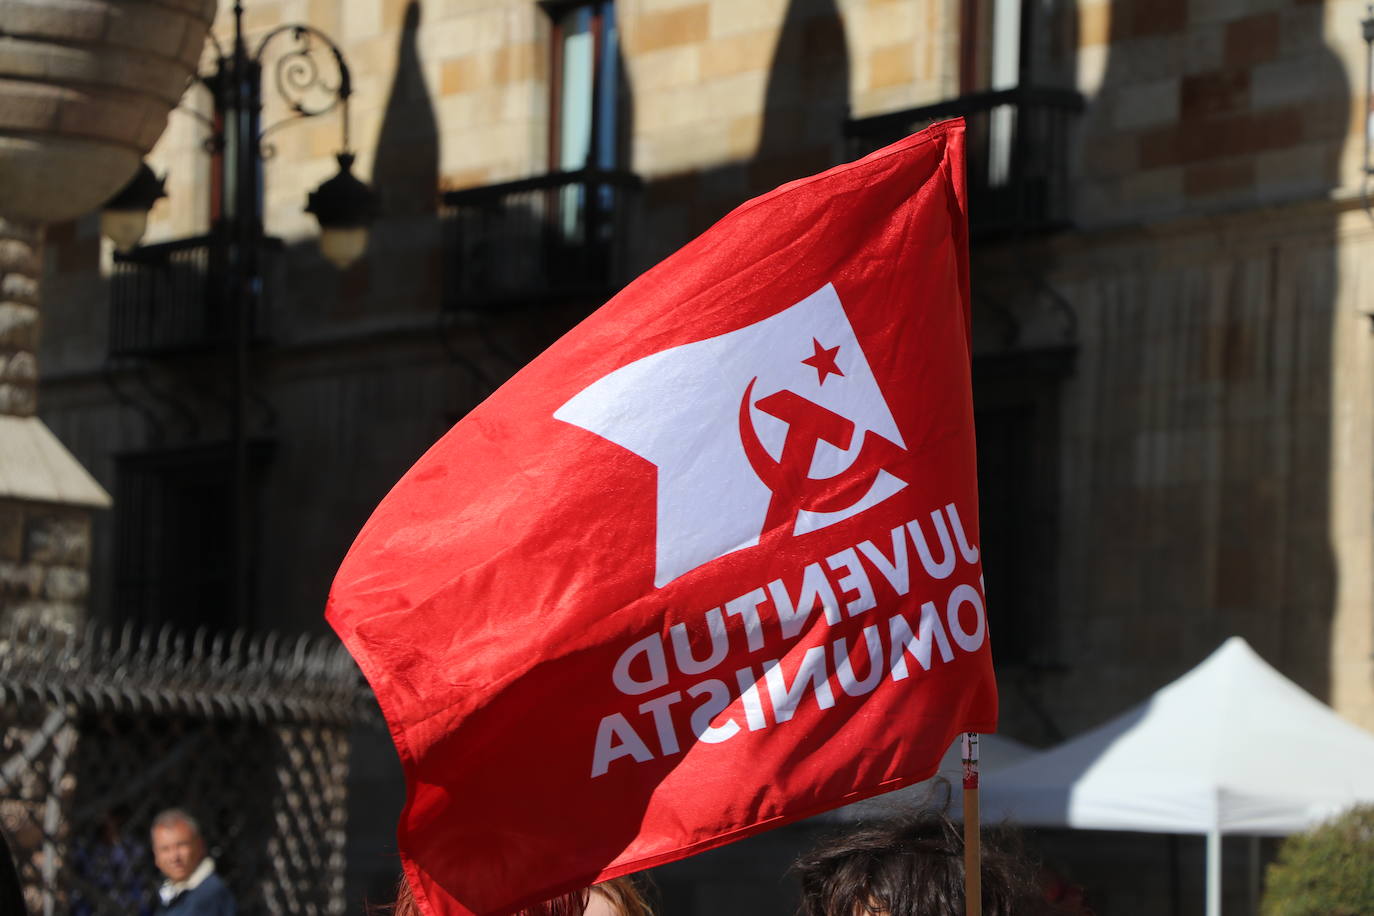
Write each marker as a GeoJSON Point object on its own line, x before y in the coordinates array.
{"type": "Point", "coordinates": [343, 206]}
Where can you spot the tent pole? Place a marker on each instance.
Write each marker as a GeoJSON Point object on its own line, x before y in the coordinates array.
{"type": "Point", "coordinates": [973, 851]}
{"type": "Point", "coordinates": [1214, 871]}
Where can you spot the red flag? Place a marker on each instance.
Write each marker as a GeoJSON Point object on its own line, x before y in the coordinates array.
{"type": "Point", "coordinates": [707, 565]}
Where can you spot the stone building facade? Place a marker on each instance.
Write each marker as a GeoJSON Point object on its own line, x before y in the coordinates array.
{"type": "Point", "coordinates": [1172, 273]}
{"type": "Point", "coordinates": [46, 497]}
{"type": "Point", "coordinates": [1214, 459]}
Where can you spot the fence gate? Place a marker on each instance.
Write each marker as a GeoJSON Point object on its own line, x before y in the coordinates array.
{"type": "Point", "coordinates": [101, 730]}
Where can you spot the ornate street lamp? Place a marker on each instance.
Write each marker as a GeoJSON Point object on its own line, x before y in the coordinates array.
{"type": "Point", "coordinates": [125, 216]}
{"type": "Point", "coordinates": [343, 205]}
{"type": "Point", "coordinates": [309, 86]}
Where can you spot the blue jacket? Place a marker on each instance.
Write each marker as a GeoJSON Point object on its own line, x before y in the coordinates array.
{"type": "Point", "coordinates": [209, 898]}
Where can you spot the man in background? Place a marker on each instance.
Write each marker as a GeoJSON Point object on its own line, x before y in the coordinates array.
{"type": "Point", "coordinates": [192, 888]}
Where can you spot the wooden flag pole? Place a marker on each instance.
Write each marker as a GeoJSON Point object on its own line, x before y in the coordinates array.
{"type": "Point", "coordinates": [973, 849]}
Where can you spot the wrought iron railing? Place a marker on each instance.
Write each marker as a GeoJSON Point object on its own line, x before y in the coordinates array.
{"type": "Point", "coordinates": [1018, 145]}
{"type": "Point", "coordinates": [175, 297]}
{"type": "Point", "coordinates": [555, 236]}
{"type": "Point", "coordinates": [99, 730]}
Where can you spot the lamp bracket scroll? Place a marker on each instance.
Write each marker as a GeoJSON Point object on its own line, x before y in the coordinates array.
{"type": "Point", "coordinates": [306, 70]}
{"type": "Point", "coordinates": [310, 76]}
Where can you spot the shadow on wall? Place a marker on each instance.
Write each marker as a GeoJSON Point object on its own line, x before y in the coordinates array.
{"type": "Point", "coordinates": [399, 273]}
{"type": "Point", "coordinates": [807, 99]}
{"type": "Point", "coordinates": [805, 106]}
{"type": "Point", "coordinates": [1024, 332]}
{"type": "Point", "coordinates": [315, 313]}
{"type": "Point", "coordinates": [338, 413]}
{"type": "Point", "coordinates": [1202, 502]}
{"type": "Point", "coordinates": [401, 263]}
{"type": "Point", "coordinates": [395, 282]}
{"type": "Point", "coordinates": [1217, 355]}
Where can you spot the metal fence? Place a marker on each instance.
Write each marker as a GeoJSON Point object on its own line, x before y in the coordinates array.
{"type": "Point", "coordinates": [556, 236]}
{"type": "Point", "coordinates": [173, 297]}
{"type": "Point", "coordinates": [101, 730]}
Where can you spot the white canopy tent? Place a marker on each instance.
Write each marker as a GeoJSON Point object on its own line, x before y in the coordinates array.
{"type": "Point", "coordinates": [1231, 747]}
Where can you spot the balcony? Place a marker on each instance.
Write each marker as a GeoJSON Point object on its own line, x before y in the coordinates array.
{"type": "Point", "coordinates": [174, 297]}
{"type": "Point", "coordinates": [1018, 154]}
{"type": "Point", "coordinates": [556, 237]}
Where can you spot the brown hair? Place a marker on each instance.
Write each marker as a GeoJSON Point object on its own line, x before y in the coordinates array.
{"type": "Point", "coordinates": [624, 893]}
{"type": "Point", "coordinates": [914, 866]}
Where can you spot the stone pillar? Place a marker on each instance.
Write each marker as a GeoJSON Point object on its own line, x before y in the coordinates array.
{"type": "Point", "coordinates": [19, 268]}
{"type": "Point", "coordinates": [46, 497]}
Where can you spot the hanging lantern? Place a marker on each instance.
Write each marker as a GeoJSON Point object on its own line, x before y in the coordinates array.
{"type": "Point", "coordinates": [345, 208]}
{"type": "Point", "coordinates": [125, 215]}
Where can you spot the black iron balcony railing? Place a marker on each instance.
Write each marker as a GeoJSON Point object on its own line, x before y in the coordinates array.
{"type": "Point", "coordinates": [559, 236]}
{"type": "Point", "coordinates": [1018, 154]}
{"type": "Point", "coordinates": [174, 297]}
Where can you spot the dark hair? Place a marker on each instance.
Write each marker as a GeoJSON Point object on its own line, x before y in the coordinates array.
{"type": "Point", "coordinates": [11, 890]}
{"type": "Point", "coordinates": [913, 865]}
{"type": "Point", "coordinates": [623, 892]}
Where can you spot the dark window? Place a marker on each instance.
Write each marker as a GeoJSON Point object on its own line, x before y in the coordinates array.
{"type": "Point", "coordinates": [586, 118]}
{"type": "Point", "coordinates": [1004, 44]}
{"type": "Point", "coordinates": [990, 44]}
{"type": "Point", "coordinates": [1016, 413]}
{"type": "Point", "coordinates": [1012, 56]}
{"type": "Point", "coordinates": [174, 536]}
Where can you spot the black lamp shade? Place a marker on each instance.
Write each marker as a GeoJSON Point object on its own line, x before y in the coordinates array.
{"type": "Point", "coordinates": [142, 191]}
{"type": "Point", "coordinates": [343, 202]}
{"type": "Point", "coordinates": [125, 216]}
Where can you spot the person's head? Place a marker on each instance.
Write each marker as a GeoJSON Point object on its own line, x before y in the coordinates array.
{"type": "Point", "coordinates": [912, 866]}
{"type": "Point", "coordinates": [177, 844]}
{"type": "Point", "coordinates": [616, 897]}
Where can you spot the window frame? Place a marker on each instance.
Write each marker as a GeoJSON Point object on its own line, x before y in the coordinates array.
{"type": "Point", "coordinates": [558, 12]}
{"type": "Point", "coordinates": [1029, 384]}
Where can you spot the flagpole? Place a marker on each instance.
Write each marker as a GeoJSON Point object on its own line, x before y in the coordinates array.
{"type": "Point", "coordinates": [973, 851]}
